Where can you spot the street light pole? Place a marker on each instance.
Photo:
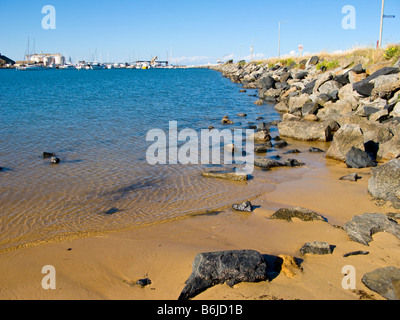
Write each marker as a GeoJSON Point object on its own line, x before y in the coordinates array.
{"type": "Point", "coordinates": [381, 31]}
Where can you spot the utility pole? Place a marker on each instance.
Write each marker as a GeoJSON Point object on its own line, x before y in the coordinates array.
{"type": "Point", "coordinates": [251, 50]}
{"type": "Point", "coordinates": [381, 30]}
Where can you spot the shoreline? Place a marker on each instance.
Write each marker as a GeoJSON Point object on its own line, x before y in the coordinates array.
{"type": "Point", "coordinates": [107, 266]}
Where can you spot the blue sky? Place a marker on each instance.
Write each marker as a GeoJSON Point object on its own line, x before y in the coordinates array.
{"type": "Point", "coordinates": [195, 32]}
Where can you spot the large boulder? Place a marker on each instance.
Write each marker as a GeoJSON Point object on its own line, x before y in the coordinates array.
{"type": "Point", "coordinates": [267, 82]}
{"type": "Point", "coordinates": [385, 181]}
{"type": "Point", "coordinates": [230, 267]}
{"type": "Point", "coordinates": [384, 281]}
{"type": "Point", "coordinates": [348, 136]}
{"type": "Point", "coordinates": [361, 228]}
{"type": "Point", "coordinates": [306, 131]}
{"type": "Point", "coordinates": [366, 86]}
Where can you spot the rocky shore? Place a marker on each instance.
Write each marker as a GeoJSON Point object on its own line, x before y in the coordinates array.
{"type": "Point", "coordinates": [354, 107]}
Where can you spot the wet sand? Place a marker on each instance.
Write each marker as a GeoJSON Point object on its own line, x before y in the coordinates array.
{"type": "Point", "coordinates": [107, 266]}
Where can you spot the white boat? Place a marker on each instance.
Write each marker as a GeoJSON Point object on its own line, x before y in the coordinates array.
{"type": "Point", "coordinates": [67, 67]}
{"type": "Point", "coordinates": [32, 67]}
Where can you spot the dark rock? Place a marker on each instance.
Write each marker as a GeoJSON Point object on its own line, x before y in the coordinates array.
{"type": "Point", "coordinates": [309, 88]}
{"type": "Point", "coordinates": [385, 281]}
{"type": "Point", "coordinates": [267, 82]}
{"type": "Point", "coordinates": [267, 163]}
{"type": "Point", "coordinates": [231, 267]}
{"type": "Point", "coordinates": [317, 247]}
{"type": "Point", "coordinates": [262, 126]}
{"type": "Point", "coordinates": [365, 86]}
{"type": "Point", "coordinates": [296, 151]}
{"type": "Point", "coordinates": [48, 155]}
{"type": "Point", "coordinates": [301, 213]}
{"type": "Point", "coordinates": [315, 150]}
{"type": "Point", "coordinates": [244, 207]}
{"type": "Point", "coordinates": [285, 77]}
{"type": "Point", "coordinates": [355, 253]}
{"type": "Point", "coordinates": [293, 163]}
{"type": "Point", "coordinates": [301, 75]}
{"type": "Point", "coordinates": [143, 282]}
{"type": "Point", "coordinates": [280, 144]}
{"type": "Point", "coordinates": [313, 61]}
{"type": "Point", "coordinates": [310, 108]}
{"type": "Point", "coordinates": [361, 228]}
{"type": "Point", "coordinates": [112, 211]}
{"type": "Point", "coordinates": [358, 159]}
{"type": "Point", "coordinates": [351, 177]}
{"type": "Point", "coordinates": [55, 160]}
{"type": "Point", "coordinates": [343, 79]}
{"type": "Point", "coordinates": [264, 148]}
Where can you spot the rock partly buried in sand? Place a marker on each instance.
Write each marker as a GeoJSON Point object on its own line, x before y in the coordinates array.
{"type": "Point", "coordinates": [317, 247]}
{"type": "Point", "coordinates": [244, 206]}
{"type": "Point", "coordinates": [356, 253]}
{"type": "Point", "coordinates": [351, 177]}
{"type": "Point", "coordinates": [293, 163]}
{"type": "Point", "coordinates": [287, 265]}
{"type": "Point", "coordinates": [143, 282]}
{"type": "Point", "coordinates": [301, 213]}
{"type": "Point", "coordinates": [357, 158]}
{"type": "Point", "coordinates": [267, 163]}
{"type": "Point", "coordinates": [385, 181]}
{"type": "Point", "coordinates": [224, 174]}
{"type": "Point", "coordinates": [361, 228]}
{"type": "Point", "coordinates": [229, 267]}
{"type": "Point", "coordinates": [385, 281]}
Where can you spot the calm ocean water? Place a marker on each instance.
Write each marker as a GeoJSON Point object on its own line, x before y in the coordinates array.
{"type": "Point", "coordinates": [96, 122]}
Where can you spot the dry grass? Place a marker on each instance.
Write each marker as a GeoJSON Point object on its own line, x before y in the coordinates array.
{"type": "Point", "coordinates": [367, 56]}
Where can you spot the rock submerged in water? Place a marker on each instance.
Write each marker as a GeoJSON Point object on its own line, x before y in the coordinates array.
{"type": "Point", "coordinates": [225, 174]}
{"type": "Point", "coordinates": [361, 228]}
{"type": "Point", "coordinates": [48, 155]}
{"type": "Point", "coordinates": [385, 281]}
{"type": "Point", "coordinates": [55, 160]}
{"type": "Point", "coordinates": [301, 213]}
{"type": "Point", "coordinates": [230, 267]}
{"type": "Point", "coordinates": [244, 207]}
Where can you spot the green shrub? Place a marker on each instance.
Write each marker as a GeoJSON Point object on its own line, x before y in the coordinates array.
{"type": "Point", "coordinates": [327, 65]}
{"type": "Point", "coordinates": [392, 52]}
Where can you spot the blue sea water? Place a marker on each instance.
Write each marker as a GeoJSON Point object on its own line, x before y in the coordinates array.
{"type": "Point", "coordinates": [96, 122]}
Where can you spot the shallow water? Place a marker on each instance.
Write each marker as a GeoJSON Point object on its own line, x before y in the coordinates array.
{"type": "Point", "coordinates": [96, 122]}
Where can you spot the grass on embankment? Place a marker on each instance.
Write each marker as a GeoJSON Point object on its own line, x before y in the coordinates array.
{"type": "Point", "coordinates": [365, 56]}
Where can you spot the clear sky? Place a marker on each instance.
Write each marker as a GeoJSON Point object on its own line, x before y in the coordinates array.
{"type": "Point", "coordinates": [194, 32]}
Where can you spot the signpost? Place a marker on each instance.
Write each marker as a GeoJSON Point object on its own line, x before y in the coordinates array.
{"type": "Point", "coordinates": [301, 47]}
{"type": "Point", "coordinates": [383, 16]}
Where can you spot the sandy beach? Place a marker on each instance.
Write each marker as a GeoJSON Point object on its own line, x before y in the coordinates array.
{"type": "Point", "coordinates": [108, 266]}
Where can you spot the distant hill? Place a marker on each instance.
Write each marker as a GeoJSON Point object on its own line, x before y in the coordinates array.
{"type": "Point", "coordinates": [5, 60]}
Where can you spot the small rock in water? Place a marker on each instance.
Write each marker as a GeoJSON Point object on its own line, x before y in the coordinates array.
{"type": "Point", "coordinates": [351, 177]}
{"type": "Point", "coordinates": [292, 151]}
{"type": "Point", "coordinates": [293, 163]}
{"type": "Point", "coordinates": [316, 150]}
{"type": "Point", "coordinates": [242, 115]}
{"type": "Point", "coordinates": [55, 160]}
{"type": "Point", "coordinates": [244, 207]}
{"type": "Point", "coordinates": [143, 282]}
{"type": "Point", "coordinates": [280, 144]}
{"type": "Point", "coordinates": [48, 155]}
{"type": "Point", "coordinates": [112, 211]}
{"type": "Point", "coordinates": [225, 120]}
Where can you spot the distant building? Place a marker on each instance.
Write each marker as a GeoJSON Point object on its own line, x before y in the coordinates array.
{"type": "Point", "coordinates": [6, 61]}
{"type": "Point", "coordinates": [47, 59]}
